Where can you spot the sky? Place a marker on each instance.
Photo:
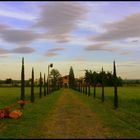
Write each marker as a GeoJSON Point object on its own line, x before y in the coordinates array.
{"type": "Point", "coordinates": [85, 35]}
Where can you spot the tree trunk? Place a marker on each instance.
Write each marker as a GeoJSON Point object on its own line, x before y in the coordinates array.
{"type": "Point", "coordinates": [40, 87]}
{"type": "Point", "coordinates": [32, 87]}
{"type": "Point", "coordinates": [94, 94]}
{"type": "Point", "coordinates": [22, 97]}
{"type": "Point", "coordinates": [44, 85]}
{"type": "Point", "coordinates": [102, 92]}
{"type": "Point", "coordinates": [89, 90]}
{"type": "Point", "coordinates": [115, 87]}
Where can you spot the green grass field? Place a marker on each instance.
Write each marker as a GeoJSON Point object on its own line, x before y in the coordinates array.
{"type": "Point", "coordinates": [34, 115]}
{"type": "Point", "coordinates": [125, 121]}
{"type": "Point", "coordinates": [10, 95]}
{"type": "Point", "coordinates": [122, 123]}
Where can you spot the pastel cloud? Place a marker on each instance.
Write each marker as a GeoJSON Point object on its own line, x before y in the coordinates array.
{"type": "Point", "coordinates": [50, 54]}
{"type": "Point", "coordinates": [123, 29]}
{"type": "Point", "coordinates": [3, 51]}
{"type": "Point", "coordinates": [53, 52]}
{"type": "Point", "coordinates": [16, 15]}
{"type": "Point", "coordinates": [56, 49]}
{"type": "Point", "coordinates": [10, 10]}
{"type": "Point", "coordinates": [59, 19]}
{"type": "Point", "coordinates": [22, 50]}
{"type": "Point", "coordinates": [18, 36]}
{"type": "Point", "coordinates": [100, 47]}
{"type": "Point", "coordinates": [105, 47]}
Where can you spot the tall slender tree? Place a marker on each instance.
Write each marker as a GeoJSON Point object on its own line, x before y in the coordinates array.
{"type": "Point", "coordinates": [71, 78]}
{"type": "Point", "coordinates": [22, 97]}
{"type": "Point", "coordinates": [102, 77]}
{"type": "Point", "coordinates": [40, 86]}
{"type": "Point", "coordinates": [115, 86]}
{"type": "Point", "coordinates": [32, 87]}
{"type": "Point", "coordinates": [45, 92]}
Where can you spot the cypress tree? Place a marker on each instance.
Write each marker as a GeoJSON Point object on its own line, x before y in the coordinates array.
{"type": "Point", "coordinates": [94, 83]}
{"type": "Point", "coordinates": [40, 86]}
{"type": "Point", "coordinates": [32, 87]}
{"type": "Point", "coordinates": [44, 85]}
{"type": "Point", "coordinates": [71, 78]}
{"type": "Point", "coordinates": [22, 97]}
{"type": "Point", "coordinates": [102, 84]}
{"type": "Point", "coordinates": [115, 86]}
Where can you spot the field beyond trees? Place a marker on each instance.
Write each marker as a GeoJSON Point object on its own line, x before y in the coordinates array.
{"type": "Point", "coordinates": [70, 114]}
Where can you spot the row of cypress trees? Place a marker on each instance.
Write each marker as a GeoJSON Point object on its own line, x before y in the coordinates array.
{"type": "Point", "coordinates": [41, 85]}
{"type": "Point", "coordinates": [85, 88]}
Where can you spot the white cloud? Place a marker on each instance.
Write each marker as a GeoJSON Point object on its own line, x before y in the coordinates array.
{"type": "Point", "coordinates": [91, 26]}
{"type": "Point", "coordinates": [59, 19]}
{"type": "Point", "coordinates": [123, 29]}
{"type": "Point", "coordinates": [26, 11]}
{"type": "Point", "coordinates": [16, 14]}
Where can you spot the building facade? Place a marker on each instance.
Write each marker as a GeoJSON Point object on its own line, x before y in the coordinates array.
{"type": "Point", "coordinates": [65, 80]}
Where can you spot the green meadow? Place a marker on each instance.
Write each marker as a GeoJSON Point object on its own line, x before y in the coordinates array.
{"type": "Point", "coordinates": [123, 122]}
{"type": "Point", "coordinates": [34, 114]}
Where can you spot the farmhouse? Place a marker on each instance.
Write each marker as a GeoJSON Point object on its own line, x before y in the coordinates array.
{"type": "Point", "coordinates": [65, 80]}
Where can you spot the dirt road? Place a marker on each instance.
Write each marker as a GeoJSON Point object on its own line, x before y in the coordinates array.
{"type": "Point", "coordinates": [71, 118]}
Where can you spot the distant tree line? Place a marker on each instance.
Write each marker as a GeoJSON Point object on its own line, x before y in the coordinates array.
{"type": "Point", "coordinates": [131, 82]}
{"type": "Point", "coordinates": [92, 77]}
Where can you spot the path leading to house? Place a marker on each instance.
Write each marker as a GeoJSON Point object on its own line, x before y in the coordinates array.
{"type": "Point", "coordinates": [72, 118]}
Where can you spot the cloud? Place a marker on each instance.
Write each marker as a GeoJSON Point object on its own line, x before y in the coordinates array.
{"type": "Point", "coordinates": [103, 47]}
{"type": "Point", "coordinates": [3, 51]}
{"type": "Point", "coordinates": [53, 52]}
{"type": "Point", "coordinates": [100, 47]}
{"type": "Point", "coordinates": [16, 15]}
{"type": "Point", "coordinates": [59, 19]}
{"type": "Point", "coordinates": [123, 29]}
{"type": "Point", "coordinates": [24, 11]}
{"type": "Point", "coordinates": [4, 26]}
{"type": "Point", "coordinates": [18, 36]}
{"type": "Point", "coordinates": [50, 54]}
{"type": "Point", "coordinates": [56, 49]}
{"type": "Point", "coordinates": [22, 50]}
